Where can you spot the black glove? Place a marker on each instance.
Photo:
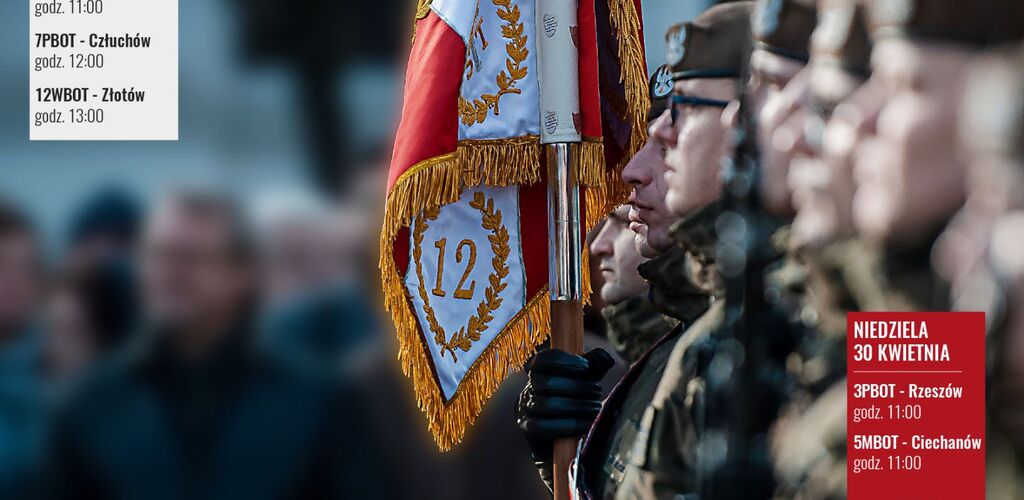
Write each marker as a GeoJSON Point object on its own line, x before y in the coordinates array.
{"type": "Point", "coordinates": [561, 400]}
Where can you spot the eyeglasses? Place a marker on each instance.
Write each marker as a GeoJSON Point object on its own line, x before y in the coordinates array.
{"type": "Point", "coordinates": [679, 101]}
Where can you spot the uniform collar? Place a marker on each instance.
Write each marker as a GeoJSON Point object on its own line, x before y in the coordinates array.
{"type": "Point", "coordinates": [634, 325]}
{"type": "Point", "coordinates": [672, 291]}
{"type": "Point", "coordinates": [907, 277]}
{"type": "Point", "coordinates": [695, 233]}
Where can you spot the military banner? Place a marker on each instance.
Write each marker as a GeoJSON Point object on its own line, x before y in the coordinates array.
{"type": "Point", "coordinates": [464, 240]}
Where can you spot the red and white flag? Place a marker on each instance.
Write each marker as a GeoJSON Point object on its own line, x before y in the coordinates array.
{"type": "Point", "coordinates": [464, 242]}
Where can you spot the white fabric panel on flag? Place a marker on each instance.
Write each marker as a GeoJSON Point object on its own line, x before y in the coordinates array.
{"type": "Point", "coordinates": [558, 77]}
{"type": "Point", "coordinates": [456, 13]}
{"type": "Point", "coordinates": [499, 96]}
{"type": "Point", "coordinates": [464, 250]}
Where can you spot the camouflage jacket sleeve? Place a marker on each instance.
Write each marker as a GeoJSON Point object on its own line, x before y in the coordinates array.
{"type": "Point", "coordinates": [663, 461]}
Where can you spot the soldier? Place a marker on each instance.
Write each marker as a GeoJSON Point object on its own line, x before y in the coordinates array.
{"type": "Point", "coordinates": [562, 398]}
{"type": "Point", "coordinates": [808, 441]}
{"type": "Point", "coordinates": [990, 133]}
{"type": "Point", "coordinates": [782, 29]}
{"type": "Point", "coordinates": [979, 252]}
{"type": "Point", "coordinates": [707, 58]}
{"type": "Point", "coordinates": [633, 323]}
{"type": "Point", "coordinates": [910, 174]}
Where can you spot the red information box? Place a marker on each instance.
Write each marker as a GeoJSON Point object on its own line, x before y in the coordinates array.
{"type": "Point", "coordinates": [915, 406]}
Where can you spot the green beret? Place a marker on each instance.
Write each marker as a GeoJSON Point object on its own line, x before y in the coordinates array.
{"type": "Point", "coordinates": [842, 35]}
{"type": "Point", "coordinates": [716, 44]}
{"type": "Point", "coordinates": [784, 27]}
{"type": "Point", "coordinates": [660, 88]}
{"type": "Point", "coordinates": [971, 22]}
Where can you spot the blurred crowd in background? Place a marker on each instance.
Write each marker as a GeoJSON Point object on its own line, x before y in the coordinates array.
{"type": "Point", "coordinates": [201, 319]}
{"type": "Point", "coordinates": [260, 222]}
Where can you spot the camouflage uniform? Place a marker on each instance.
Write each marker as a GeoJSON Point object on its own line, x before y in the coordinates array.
{"type": "Point", "coordinates": [819, 285]}
{"type": "Point", "coordinates": [645, 447]}
{"type": "Point", "coordinates": [655, 457]}
{"type": "Point", "coordinates": [809, 438]}
{"type": "Point", "coordinates": [634, 325]}
{"type": "Point", "coordinates": [614, 454]}
{"type": "Point", "coordinates": [994, 135]}
{"type": "Point", "coordinates": [644, 330]}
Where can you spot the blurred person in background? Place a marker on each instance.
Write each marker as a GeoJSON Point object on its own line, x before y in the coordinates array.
{"type": "Point", "coordinates": [990, 130]}
{"type": "Point", "coordinates": [808, 441]}
{"type": "Point", "coordinates": [781, 30]}
{"type": "Point", "coordinates": [821, 172]}
{"type": "Point", "coordinates": [910, 173]}
{"type": "Point", "coordinates": [21, 388]}
{"type": "Point", "coordinates": [90, 313]}
{"type": "Point", "coordinates": [979, 253]}
{"type": "Point", "coordinates": [192, 409]}
{"type": "Point", "coordinates": [318, 310]}
{"type": "Point", "coordinates": [307, 245]}
{"type": "Point", "coordinates": [104, 227]}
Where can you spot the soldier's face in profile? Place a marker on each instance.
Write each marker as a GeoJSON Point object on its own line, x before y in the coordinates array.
{"type": "Point", "coordinates": [618, 258]}
{"type": "Point", "coordinates": [820, 177]}
{"type": "Point", "coordinates": [649, 217]}
{"type": "Point", "coordinates": [910, 176]}
{"type": "Point", "coordinates": [776, 88]}
{"type": "Point", "coordinates": [694, 145]}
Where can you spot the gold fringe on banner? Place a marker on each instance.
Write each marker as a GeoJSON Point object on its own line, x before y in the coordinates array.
{"type": "Point", "coordinates": [447, 421]}
{"type": "Point", "coordinates": [625, 21]}
{"type": "Point", "coordinates": [592, 171]}
{"type": "Point", "coordinates": [439, 181]}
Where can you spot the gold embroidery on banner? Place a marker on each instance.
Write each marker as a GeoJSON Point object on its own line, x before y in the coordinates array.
{"type": "Point", "coordinates": [440, 245]}
{"type": "Point", "coordinates": [422, 9]}
{"type": "Point", "coordinates": [476, 111]}
{"type": "Point", "coordinates": [462, 293]}
{"type": "Point", "coordinates": [473, 61]}
{"type": "Point", "coordinates": [491, 220]}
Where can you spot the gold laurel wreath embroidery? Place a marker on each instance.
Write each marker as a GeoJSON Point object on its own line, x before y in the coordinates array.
{"type": "Point", "coordinates": [422, 9]}
{"type": "Point", "coordinates": [491, 220]}
{"type": "Point", "coordinates": [475, 111]}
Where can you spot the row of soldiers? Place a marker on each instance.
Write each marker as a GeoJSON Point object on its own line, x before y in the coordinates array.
{"type": "Point", "coordinates": [807, 158]}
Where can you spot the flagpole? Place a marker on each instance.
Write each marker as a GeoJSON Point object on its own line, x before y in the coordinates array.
{"type": "Point", "coordinates": [565, 280]}
{"type": "Point", "coordinates": [558, 78]}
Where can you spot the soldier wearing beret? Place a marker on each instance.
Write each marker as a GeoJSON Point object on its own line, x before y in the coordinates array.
{"type": "Point", "coordinates": [910, 174]}
{"type": "Point", "coordinates": [809, 440]}
{"type": "Point", "coordinates": [708, 57]}
{"type": "Point", "coordinates": [782, 30]}
{"type": "Point", "coordinates": [821, 178]}
{"type": "Point", "coordinates": [562, 398]}
{"type": "Point", "coordinates": [979, 251]}
{"type": "Point", "coordinates": [643, 443]}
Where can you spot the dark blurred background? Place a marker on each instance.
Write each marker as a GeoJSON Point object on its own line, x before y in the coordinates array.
{"type": "Point", "coordinates": [289, 108]}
